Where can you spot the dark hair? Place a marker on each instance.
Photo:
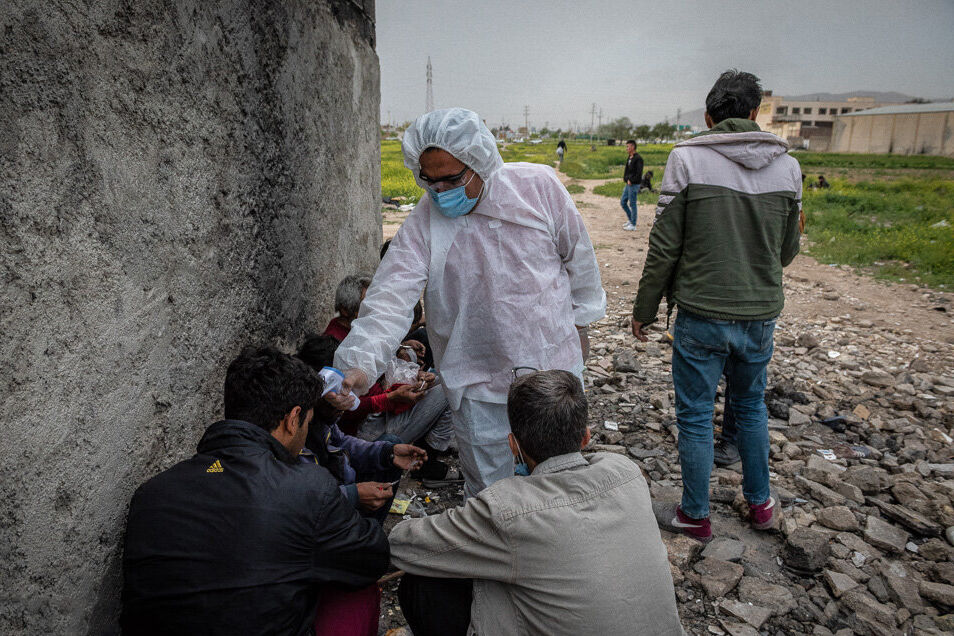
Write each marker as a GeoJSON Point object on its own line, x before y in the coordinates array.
{"type": "Point", "coordinates": [735, 94]}
{"type": "Point", "coordinates": [318, 351]}
{"type": "Point", "coordinates": [418, 312]}
{"type": "Point", "coordinates": [631, 141]}
{"type": "Point", "coordinates": [384, 248]}
{"type": "Point", "coordinates": [263, 385]}
{"type": "Point", "coordinates": [547, 412]}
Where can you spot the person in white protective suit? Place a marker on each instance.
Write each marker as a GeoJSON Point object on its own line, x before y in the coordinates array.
{"type": "Point", "coordinates": [509, 276]}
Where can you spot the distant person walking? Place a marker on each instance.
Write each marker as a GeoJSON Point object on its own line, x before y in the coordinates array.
{"type": "Point", "coordinates": [633, 177]}
{"type": "Point", "coordinates": [561, 150]}
{"type": "Point", "coordinates": [726, 225]}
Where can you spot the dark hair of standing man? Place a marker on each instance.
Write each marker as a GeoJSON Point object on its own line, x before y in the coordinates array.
{"type": "Point", "coordinates": [735, 94]}
{"type": "Point", "coordinates": [631, 141]}
{"type": "Point", "coordinates": [263, 385]}
{"type": "Point", "coordinates": [547, 412]}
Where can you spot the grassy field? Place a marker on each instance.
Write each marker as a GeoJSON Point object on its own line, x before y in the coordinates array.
{"type": "Point", "coordinates": [890, 215]}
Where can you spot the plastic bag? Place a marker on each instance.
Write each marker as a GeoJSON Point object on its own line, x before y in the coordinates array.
{"type": "Point", "coordinates": [400, 372]}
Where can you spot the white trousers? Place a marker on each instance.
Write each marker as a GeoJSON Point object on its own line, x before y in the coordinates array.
{"type": "Point", "coordinates": [485, 457]}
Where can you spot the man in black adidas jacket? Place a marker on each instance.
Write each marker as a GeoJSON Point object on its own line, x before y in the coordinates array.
{"type": "Point", "coordinates": [237, 539]}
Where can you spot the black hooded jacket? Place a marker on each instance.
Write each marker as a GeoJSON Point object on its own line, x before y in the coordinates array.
{"type": "Point", "coordinates": [238, 539]}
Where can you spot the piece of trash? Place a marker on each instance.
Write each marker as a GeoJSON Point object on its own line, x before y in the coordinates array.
{"type": "Point", "coordinates": [611, 426]}
{"type": "Point", "coordinates": [833, 354]}
{"type": "Point", "coordinates": [399, 506]}
{"type": "Point", "coordinates": [827, 453]}
{"type": "Point", "coordinates": [851, 452]}
{"type": "Point", "coordinates": [407, 207]}
{"type": "Point", "coordinates": [836, 423]}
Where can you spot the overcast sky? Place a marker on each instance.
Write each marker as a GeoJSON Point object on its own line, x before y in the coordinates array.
{"type": "Point", "coordinates": [646, 59]}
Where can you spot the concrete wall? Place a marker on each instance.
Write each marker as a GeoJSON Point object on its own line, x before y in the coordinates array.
{"type": "Point", "coordinates": [177, 179]}
{"type": "Point", "coordinates": [900, 134]}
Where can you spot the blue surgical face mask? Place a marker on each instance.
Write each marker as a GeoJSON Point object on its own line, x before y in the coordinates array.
{"type": "Point", "coordinates": [521, 467]}
{"type": "Point", "coordinates": [454, 202]}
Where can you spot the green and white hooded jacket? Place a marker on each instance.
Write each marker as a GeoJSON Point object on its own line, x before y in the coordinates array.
{"type": "Point", "coordinates": [726, 224]}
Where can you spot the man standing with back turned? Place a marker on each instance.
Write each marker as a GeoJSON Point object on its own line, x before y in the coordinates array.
{"type": "Point", "coordinates": [726, 225]}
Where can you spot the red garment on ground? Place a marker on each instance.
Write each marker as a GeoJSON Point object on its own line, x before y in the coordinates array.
{"type": "Point", "coordinates": [348, 612]}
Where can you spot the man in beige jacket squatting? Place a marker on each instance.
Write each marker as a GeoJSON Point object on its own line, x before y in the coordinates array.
{"type": "Point", "coordinates": [573, 548]}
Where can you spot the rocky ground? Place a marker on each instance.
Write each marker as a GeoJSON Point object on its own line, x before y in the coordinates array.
{"type": "Point", "coordinates": [861, 402]}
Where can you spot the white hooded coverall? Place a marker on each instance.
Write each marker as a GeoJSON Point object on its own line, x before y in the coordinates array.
{"type": "Point", "coordinates": [504, 287]}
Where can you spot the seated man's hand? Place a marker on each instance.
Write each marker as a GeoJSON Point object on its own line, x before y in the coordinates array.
{"type": "Point", "coordinates": [408, 457]}
{"type": "Point", "coordinates": [426, 378]}
{"type": "Point", "coordinates": [340, 401]}
{"type": "Point", "coordinates": [406, 394]}
{"type": "Point", "coordinates": [638, 330]}
{"type": "Point", "coordinates": [373, 494]}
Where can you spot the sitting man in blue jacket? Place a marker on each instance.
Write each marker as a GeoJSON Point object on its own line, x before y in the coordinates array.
{"type": "Point", "coordinates": [240, 538]}
{"type": "Point", "coordinates": [365, 470]}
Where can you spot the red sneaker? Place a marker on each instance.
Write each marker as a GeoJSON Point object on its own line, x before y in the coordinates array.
{"type": "Point", "coordinates": [670, 517]}
{"type": "Point", "coordinates": [765, 515]}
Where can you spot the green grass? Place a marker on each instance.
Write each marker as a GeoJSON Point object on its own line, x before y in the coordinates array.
{"type": "Point", "coordinates": [890, 162]}
{"type": "Point", "coordinates": [396, 180]}
{"type": "Point", "coordinates": [582, 162]}
{"type": "Point", "coordinates": [614, 188]}
{"type": "Point", "coordinates": [878, 215]}
{"type": "Point", "coordinates": [895, 229]}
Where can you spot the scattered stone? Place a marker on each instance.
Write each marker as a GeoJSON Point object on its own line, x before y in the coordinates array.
{"type": "Point", "coordinates": [739, 629]}
{"type": "Point", "coordinates": [878, 378]}
{"type": "Point", "coordinates": [940, 593]}
{"type": "Point", "coordinates": [822, 494]}
{"type": "Point", "coordinates": [837, 518]}
{"type": "Point", "coordinates": [936, 550]}
{"type": "Point", "coordinates": [884, 535]}
{"type": "Point", "coordinates": [725, 549]}
{"type": "Point", "coordinates": [949, 535]}
{"type": "Point", "coordinates": [866, 610]}
{"type": "Point", "coordinates": [758, 591]}
{"type": "Point", "coordinates": [751, 614]}
{"type": "Point", "coordinates": [917, 523]}
{"type": "Point", "coordinates": [797, 418]}
{"type": "Point", "coordinates": [839, 583]}
{"type": "Point", "coordinates": [805, 550]}
{"type": "Point", "coordinates": [645, 453]}
{"type": "Point", "coordinates": [903, 590]}
{"type": "Point", "coordinates": [682, 550]}
{"type": "Point", "coordinates": [624, 361]}
{"type": "Point", "coordinates": [718, 577]}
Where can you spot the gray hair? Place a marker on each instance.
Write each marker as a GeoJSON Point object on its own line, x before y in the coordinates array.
{"type": "Point", "coordinates": [348, 294]}
{"type": "Point", "coordinates": [547, 412]}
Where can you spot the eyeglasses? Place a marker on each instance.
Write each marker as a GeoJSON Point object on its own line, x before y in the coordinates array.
{"type": "Point", "coordinates": [446, 183]}
{"type": "Point", "coordinates": [519, 372]}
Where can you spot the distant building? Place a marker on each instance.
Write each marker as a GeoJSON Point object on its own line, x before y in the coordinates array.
{"type": "Point", "coordinates": [901, 129]}
{"type": "Point", "coordinates": [806, 124]}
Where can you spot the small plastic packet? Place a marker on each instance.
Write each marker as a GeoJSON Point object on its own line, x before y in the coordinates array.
{"type": "Point", "coordinates": [400, 372]}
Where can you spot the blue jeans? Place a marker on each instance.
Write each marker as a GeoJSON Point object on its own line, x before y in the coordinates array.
{"type": "Point", "coordinates": [628, 201]}
{"type": "Point", "coordinates": [703, 350]}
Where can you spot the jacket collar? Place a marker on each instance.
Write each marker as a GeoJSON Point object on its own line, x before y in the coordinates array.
{"type": "Point", "coordinates": [238, 434]}
{"type": "Point", "coordinates": [731, 125]}
{"type": "Point", "coordinates": [559, 463]}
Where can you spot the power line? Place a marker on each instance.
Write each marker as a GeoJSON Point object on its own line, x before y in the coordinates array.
{"type": "Point", "coordinates": [526, 119]}
{"type": "Point", "coordinates": [429, 98]}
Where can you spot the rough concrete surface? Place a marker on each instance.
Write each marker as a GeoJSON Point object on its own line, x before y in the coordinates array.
{"type": "Point", "coordinates": [177, 179]}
